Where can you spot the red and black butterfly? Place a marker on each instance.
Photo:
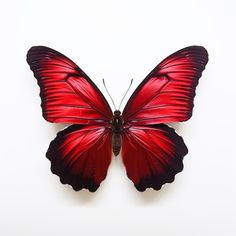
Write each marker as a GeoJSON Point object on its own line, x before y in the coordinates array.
{"type": "Point", "coordinates": [152, 152]}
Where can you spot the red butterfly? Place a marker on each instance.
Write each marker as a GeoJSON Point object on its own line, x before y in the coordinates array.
{"type": "Point", "coordinates": [152, 152]}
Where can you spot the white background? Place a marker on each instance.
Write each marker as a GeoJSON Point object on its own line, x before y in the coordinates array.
{"type": "Point", "coordinates": [118, 40]}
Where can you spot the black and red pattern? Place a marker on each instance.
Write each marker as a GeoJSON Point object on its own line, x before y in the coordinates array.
{"type": "Point", "coordinates": [167, 93]}
{"type": "Point", "coordinates": [152, 152]}
{"type": "Point", "coordinates": [152, 155]}
{"type": "Point", "coordinates": [80, 156]}
{"type": "Point", "coordinates": [67, 93]}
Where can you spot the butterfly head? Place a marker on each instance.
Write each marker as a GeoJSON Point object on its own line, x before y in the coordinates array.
{"type": "Point", "coordinates": [117, 113]}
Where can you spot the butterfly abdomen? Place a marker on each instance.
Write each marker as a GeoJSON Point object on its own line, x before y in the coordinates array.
{"type": "Point", "coordinates": [116, 143]}
{"type": "Point", "coordinates": [117, 128]}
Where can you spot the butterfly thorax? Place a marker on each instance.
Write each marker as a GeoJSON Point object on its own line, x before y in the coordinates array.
{"type": "Point", "coordinates": [117, 129]}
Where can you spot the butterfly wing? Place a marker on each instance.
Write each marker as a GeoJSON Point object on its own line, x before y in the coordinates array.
{"type": "Point", "coordinates": [167, 93]}
{"type": "Point", "coordinates": [152, 152]}
{"type": "Point", "coordinates": [152, 155]}
{"type": "Point", "coordinates": [68, 95]}
{"type": "Point", "coordinates": [80, 156]}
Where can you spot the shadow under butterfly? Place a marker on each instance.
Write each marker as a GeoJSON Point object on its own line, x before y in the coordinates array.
{"type": "Point", "coordinates": [152, 152]}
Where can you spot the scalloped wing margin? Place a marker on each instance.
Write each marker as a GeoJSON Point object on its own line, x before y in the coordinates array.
{"type": "Point", "coordinates": [152, 155]}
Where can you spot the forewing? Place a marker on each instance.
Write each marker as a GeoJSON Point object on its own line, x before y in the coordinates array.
{"type": "Point", "coordinates": [80, 156]}
{"type": "Point", "coordinates": [167, 93]}
{"type": "Point", "coordinates": [152, 155]}
{"type": "Point", "coordinates": [67, 93]}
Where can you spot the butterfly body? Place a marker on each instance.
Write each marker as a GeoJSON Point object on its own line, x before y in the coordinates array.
{"type": "Point", "coordinates": [152, 152]}
{"type": "Point", "coordinates": [117, 129]}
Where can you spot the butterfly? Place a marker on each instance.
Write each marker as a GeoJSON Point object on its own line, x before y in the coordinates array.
{"type": "Point", "coordinates": [152, 152]}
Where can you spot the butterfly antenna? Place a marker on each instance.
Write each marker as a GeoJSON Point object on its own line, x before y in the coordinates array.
{"type": "Point", "coordinates": [126, 93]}
{"type": "Point", "coordinates": [109, 94]}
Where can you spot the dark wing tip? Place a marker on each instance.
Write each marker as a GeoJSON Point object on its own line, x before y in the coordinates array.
{"type": "Point", "coordinates": [36, 53]}
{"type": "Point", "coordinates": [156, 182]}
{"type": "Point", "coordinates": [76, 181]}
{"type": "Point", "coordinates": [199, 51]}
{"type": "Point", "coordinates": [35, 49]}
